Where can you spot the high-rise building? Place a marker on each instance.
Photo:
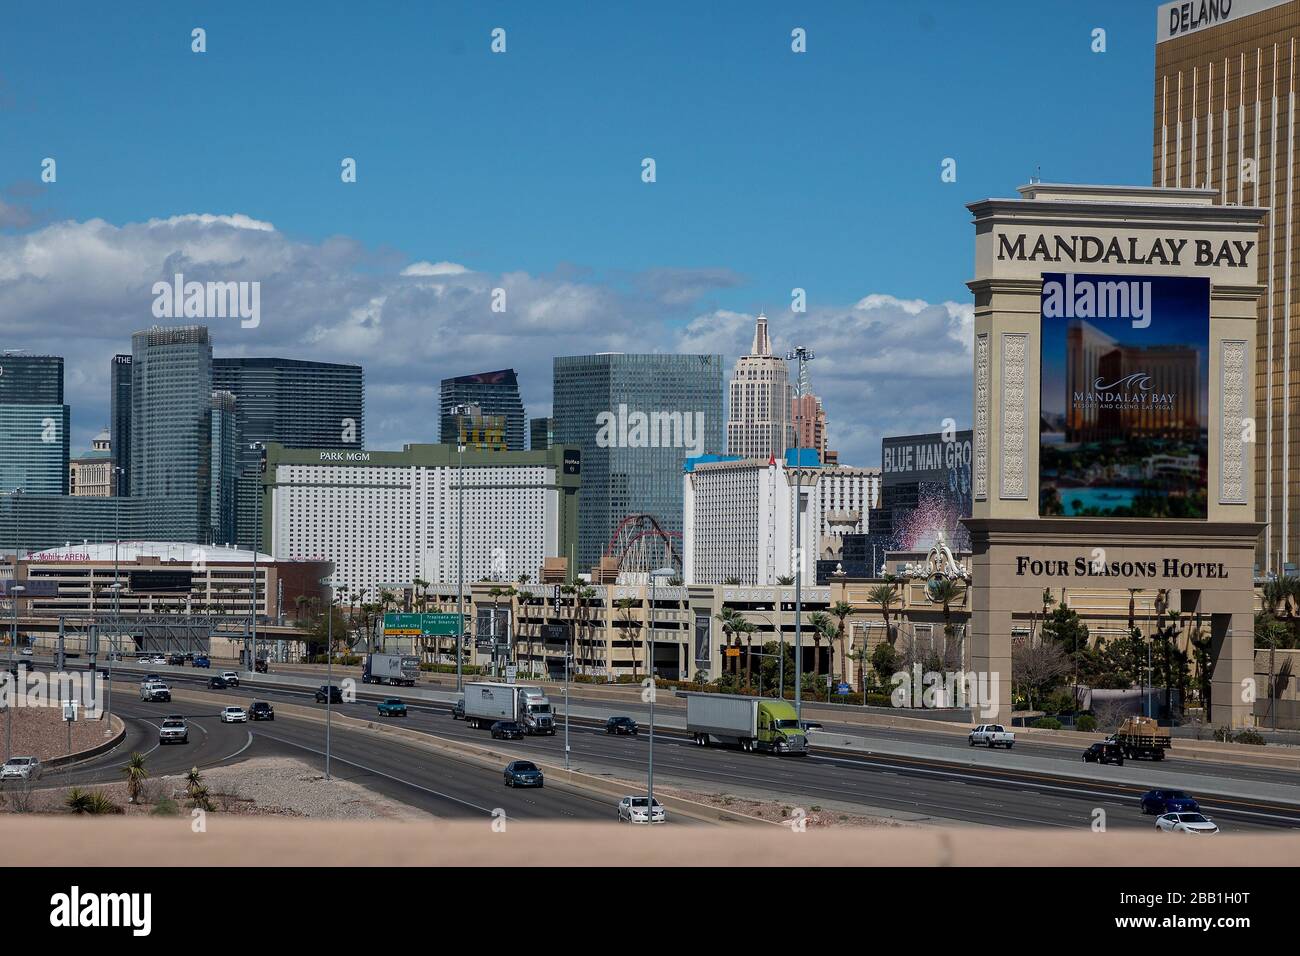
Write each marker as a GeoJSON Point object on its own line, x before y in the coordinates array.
{"type": "Point", "coordinates": [1225, 119]}
{"type": "Point", "coordinates": [34, 425]}
{"type": "Point", "coordinates": [495, 393]}
{"type": "Point", "coordinates": [739, 519]}
{"type": "Point", "coordinates": [120, 422]}
{"type": "Point", "coordinates": [808, 419]}
{"type": "Point", "coordinates": [386, 518]}
{"type": "Point", "coordinates": [758, 407]}
{"type": "Point", "coordinates": [171, 415]}
{"type": "Point", "coordinates": [296, 403]}
{"type": "Point", "coordinates": [91, 475]}
{"type": "Point", "coordinates": [541, 433]}
{"type": "Point", "coordinates": [224, 445]}
{"type": "Point", "coordinates": [636, 418]}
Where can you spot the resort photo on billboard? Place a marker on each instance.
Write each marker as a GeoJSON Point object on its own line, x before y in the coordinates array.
{"type": "Point", "coordinates": [1124, 396]}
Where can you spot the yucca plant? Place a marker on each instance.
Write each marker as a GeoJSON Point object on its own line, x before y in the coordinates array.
{"type": "Point", "coordinates": [136, 775]}
{"type": "Point", "coordinates": [89, 803]}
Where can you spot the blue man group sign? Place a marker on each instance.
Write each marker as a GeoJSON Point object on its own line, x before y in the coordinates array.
{"type": "Point", "coordinates": [1124, 396]}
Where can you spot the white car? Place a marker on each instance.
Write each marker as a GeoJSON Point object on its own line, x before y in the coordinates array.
{"type": "Point", "coordinates": [26, 652]}
{"type": "Point", "coordinates": [21, 768]}
{"type": "Point", "coordinates": [234, 715]}
{"type": "Point", "coordinates": [1186, 823]}
{"type": "Point", "coordinates": [995, 735]}
{"type": "Point", "coordinates": [633, 810]}
{"type": "Point", "coordinates": [231, 678]}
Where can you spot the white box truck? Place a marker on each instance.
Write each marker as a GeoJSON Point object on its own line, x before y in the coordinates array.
{"type": "Point", "coordinates": [752, 723]}
{"type": "Point", "coordinates": [399, 670]}
{"type": "Point", "coordinates": [526, 704]}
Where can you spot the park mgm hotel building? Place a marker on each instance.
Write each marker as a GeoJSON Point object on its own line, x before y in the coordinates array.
{"type": "Point", "coordinates": [1225, 119]}
{"type": "Point", "coordinates": [388, 518]}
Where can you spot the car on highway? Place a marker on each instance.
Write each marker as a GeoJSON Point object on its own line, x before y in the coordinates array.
{"type": "Point", "coordinates": [507, 730]}
{"type": "Point", "coordinates": [261, 710]}
{"type": "Point", "coordinates": [174, 730]}
{"type": "Point", "coordinates": [217, 682]}
{"type": "Point", "coordinates": [458, 709]}
{"type": "Point", "coordinates": [176, 660]}
{"type": "Point", "coordinates": [621, 725]}
{"type": "Point", "coordinates": [1105, 751]}
{"type": "Point", "coordinates": [331, 691]}
{"type": "Point", "coordinates": [234, 715]}
{"type": "Point", "coordinates": [807, 725]}
{"type": "Point", "coordinates": [156, 659]}
{"type": "Point", "coordinates": [1185, 823]}
{"type": "Point", "coordinates": [392, 707]}
{"type": "Point", "coordinates": [523, 773]}
{"type": "Point", "coordinates": [634, 810]}
{"type": "Point", "coordinates": [261, 666]}
{"type": "Point", "coordinates": [150, 678]}
{"type": "Point", "coordinates": [994, 735]}
{"type": "Point", "coordinates": [26, 652]}
{"type": "Point", "coordinates": [1168, 801]}
{"type": "Point", "coordinates": [231, 678]}
{"type": "Point", "coordinates": [202, 661]}
{"type": "Point", "coordinates": [20, 768]}
{"type": "Point", "coordinates": [154, 691]}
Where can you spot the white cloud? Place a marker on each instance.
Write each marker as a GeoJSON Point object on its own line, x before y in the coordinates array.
{"type": "Point", "coordinates": [434, 269]}
{"type": "Point", "coordinates": [884, 365]}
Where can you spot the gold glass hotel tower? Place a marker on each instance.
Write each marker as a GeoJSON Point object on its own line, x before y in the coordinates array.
{"type": "Point", "coordinates": [1225, 117]}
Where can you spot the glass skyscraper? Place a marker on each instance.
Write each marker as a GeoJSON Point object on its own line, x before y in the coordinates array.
{"type": "Point", "coordinates": [120, 422]}
{"type": "Point", "coordinates": [496, 394]}
{"type": "Point", "coordinates": [637, 418]}
{"type": "Point", "coordinates": [295, 403]}
{"type": "Point", "coordinates": [34, 423]}
{"type": "Point", "coordinates": [171, 416]}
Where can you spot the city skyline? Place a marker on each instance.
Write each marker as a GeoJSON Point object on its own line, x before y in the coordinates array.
{"type": "Point", "coordinates": [395, 271]}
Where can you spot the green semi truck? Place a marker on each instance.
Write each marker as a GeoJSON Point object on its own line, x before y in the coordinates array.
{"type": "Point", "coordinates": [751, 723]}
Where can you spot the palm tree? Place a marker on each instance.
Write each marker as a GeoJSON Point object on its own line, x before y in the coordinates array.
{"type": "Point", "coordinates": [885, 595]}
{"type": "Point", "coordinates": [747, 628]}
{"type": "Point", "coordinates": [840, 610]}
{"type": "Point", "coordinates": [731, 581]}
{"type": "Point", "coordinates": [821, 625]}
{"type": "Point", "coordinates": [785, 579]}
{"type": "Point", "coordinates": [945, 592]}
{"type": "Point", "coordinates": [625, 606]}
{"type": "Point", "coordinates": [586, 594]}
{"type": "Point", "coordinates": [136, 775]}
{"type": "Point", "coordinates": [730, 619]}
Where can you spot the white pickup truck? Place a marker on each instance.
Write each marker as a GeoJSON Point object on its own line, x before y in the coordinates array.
{"type": "Point", "coordinates": [995, 735]}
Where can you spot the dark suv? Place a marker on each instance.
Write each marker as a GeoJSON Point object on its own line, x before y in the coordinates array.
{"type": "Point", "coordinates": [1104, 752]}
{"type": "Point", "coordinates": [1168, 801]}
{"type": "Point", "coordinates": [621, 725]}
{"type": "Point", "coordinates": [332, 690]}
{"type": "Point", "coordinates": [218, 683]}
{"type": "Point", "coordinates": [261, 710]}
{"type": "Point", "coordinates": [458, 709]}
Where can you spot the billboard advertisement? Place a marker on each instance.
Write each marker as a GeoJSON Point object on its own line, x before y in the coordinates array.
{"type": "Point", "coordinates": [925, 491]}
{"type": "Point", "coordinates": [1124, 396]}
{"type": "Point", "coordinates": [160, 582]}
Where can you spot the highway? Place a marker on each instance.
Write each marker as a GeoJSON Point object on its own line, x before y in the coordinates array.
{"type": "Point", "coordinates": [440, 785]}
{"type": "Point", "coordinates": [909, 788]}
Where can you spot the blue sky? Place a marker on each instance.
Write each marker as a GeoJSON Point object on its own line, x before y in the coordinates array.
{"type": "Point", "coordinates": [775, 170]}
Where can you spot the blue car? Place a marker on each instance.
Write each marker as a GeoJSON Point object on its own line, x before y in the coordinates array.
{"type": "Point", "coordinates": [202, 661]}
{"type": "Point", "coordinates": [1168, 801]}
{"type": "Point", "coordinates": [524, 773]}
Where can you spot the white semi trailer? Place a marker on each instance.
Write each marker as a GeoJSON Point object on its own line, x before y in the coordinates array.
{"type": "Point", "coordinates": [526, 704]}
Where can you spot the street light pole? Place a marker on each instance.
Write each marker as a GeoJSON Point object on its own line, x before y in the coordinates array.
{"type": "Point", "coordinates": [15, 589]}
{"type": "Point", "coordinates": [458, 411]}
{"type": "Point", "coordinates": [650, 771]}
{"type": "Point", "coordinates": [803, 356]}
{"type": "Point", "coordinates": [329, 672]}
